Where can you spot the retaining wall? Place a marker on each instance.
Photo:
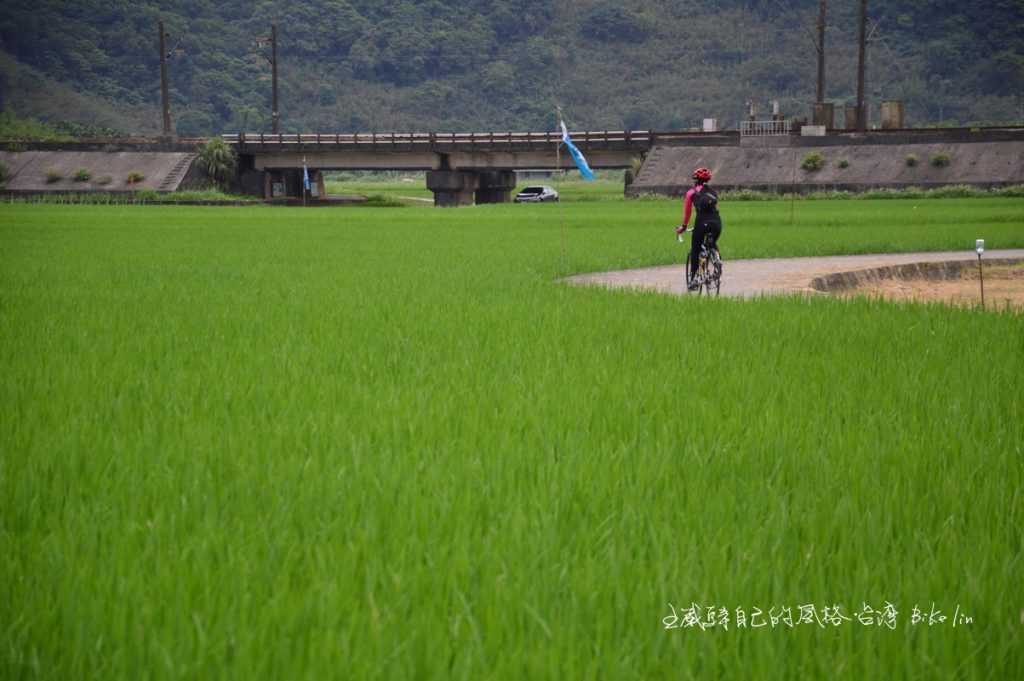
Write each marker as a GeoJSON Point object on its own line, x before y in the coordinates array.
{"type": "Point", "coordinates": [162, 170]}
{"type": "Point", "coordinates": [775, 165]}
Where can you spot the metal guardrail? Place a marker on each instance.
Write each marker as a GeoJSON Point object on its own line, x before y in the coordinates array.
{"type": "Point", "coordinates": [431, 140]}
{"type": "Point", "coordinates": [764, 128]}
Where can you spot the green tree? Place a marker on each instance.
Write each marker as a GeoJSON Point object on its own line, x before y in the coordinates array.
{"type": "Point", "coordinates": [218, 161]}
{"type": "Point", "coordinates": [368, 60]}
{"type": "Point", "coordinates": [612, 22]}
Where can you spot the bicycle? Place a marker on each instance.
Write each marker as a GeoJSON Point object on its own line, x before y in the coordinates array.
{"type": "Point", "coordinates": [709, 268]}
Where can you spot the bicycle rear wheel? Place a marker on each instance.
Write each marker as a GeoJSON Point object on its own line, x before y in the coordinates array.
{"type": "Point", "coordinates": [716, 271]}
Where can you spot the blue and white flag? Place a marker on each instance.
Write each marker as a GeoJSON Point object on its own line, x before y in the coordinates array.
{"type": "Point", "coordinates": [577, 155]}
{"type": "Point", "coordinates": [305, 173]}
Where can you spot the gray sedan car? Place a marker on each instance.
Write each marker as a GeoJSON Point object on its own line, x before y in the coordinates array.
{"type": "Point", "coordinates": [536, 194]}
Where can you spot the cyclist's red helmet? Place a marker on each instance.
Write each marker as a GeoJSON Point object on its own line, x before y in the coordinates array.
{"type": "Point", "coordinates": [702, 175]}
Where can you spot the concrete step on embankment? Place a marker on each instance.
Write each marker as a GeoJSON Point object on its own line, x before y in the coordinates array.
{"type": "Point", "coordinates": [177, 174]}
{"type": "Point", "coordinates": [650, 169]}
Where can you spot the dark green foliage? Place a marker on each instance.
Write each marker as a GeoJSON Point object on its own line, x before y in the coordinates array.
{"type": "Point", "coordinates": [82, 175]}
{"type": "Point", "coordinates": [403, 64]}
{"type": "Point", "coordinates": [195, 124]}
{"type": "Point", "coordinates": [843, 163]}
{"type": "Point", "coordinates": [911, 160]}
{"type": "Point", "coordinates": [54, 175]}
{"type": "Point", "coordinates": [13, 127]}
{"type": "Point", "coordinates": [381, 201]}
{"type": "Point", "coordinates": [977, 43]}
{"type": "Point", "coordinates": [134, 177]}
{"type": "Point", "coordinates": [72, 129]}
{"type": "Point", "coordinates": [940, 160]}
{"type": "Point", "coordinates": [4, 172]}
{"type": "Point", "coordinates": [611, 21]}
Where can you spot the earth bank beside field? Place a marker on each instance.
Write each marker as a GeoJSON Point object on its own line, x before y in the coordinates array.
{"type": "Point", "coordinates": [1004, 288]}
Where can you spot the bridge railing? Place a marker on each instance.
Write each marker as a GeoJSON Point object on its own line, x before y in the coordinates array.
{"type": "Point", "coordinates": [764, 128]}
{"type": "Point", "coordinates": [427, 140]}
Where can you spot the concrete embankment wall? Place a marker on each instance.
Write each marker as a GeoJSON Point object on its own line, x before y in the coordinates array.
{"type": "Point", "coordinates": [163, 171]}
{"type": "Point", "coordinates": [853, 166]}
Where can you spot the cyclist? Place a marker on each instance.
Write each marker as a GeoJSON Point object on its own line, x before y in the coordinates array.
{"type": "Point", "coordinates": [702, 199]}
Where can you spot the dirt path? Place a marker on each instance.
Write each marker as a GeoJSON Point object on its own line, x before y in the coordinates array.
{"type": "Point", "coordinates": [772, 276]}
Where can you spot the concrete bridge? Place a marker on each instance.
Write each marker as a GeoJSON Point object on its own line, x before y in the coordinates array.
{"type": "Point", "coordinates": [466, 168]}
{"type": "Point", "coordinates": [462, 168]}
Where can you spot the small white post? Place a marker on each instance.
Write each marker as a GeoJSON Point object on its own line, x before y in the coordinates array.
{"type": "Point", "coordinates": [979, 247]}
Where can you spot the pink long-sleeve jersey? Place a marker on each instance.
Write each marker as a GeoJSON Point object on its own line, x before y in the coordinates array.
{"type": "Point", "coordinates": [688, 203]}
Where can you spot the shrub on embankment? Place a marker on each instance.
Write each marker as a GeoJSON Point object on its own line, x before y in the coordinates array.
{"type": "Point", "coordinates": [813, 161]}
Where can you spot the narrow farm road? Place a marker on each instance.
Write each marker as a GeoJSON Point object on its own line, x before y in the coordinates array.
{"type": "Point", "coordinates": [772, 276]}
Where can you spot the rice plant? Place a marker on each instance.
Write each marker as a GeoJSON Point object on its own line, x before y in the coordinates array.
{"type": "Point", "coordinates": [254, 443]}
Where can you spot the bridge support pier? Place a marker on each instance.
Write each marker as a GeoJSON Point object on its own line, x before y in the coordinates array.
{"type": "Point", "coordinates": [496, 186]}
{"type": "Point", "coordinates": [464, 187]}
{"type": "Point", "coordinates": [452, 187]}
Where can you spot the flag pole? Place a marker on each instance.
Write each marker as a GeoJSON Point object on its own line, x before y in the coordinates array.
{"type": "Point", "coordinates": [561, 209]}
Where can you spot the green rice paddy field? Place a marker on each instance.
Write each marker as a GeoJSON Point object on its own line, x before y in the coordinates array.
{"type": "Point", "coordinates": [271, 443]}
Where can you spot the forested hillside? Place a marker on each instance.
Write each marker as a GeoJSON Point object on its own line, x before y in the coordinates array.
{"type": "Point", "coordinates": [430, 65]}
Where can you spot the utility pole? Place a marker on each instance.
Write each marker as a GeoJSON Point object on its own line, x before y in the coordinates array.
{"type": "Point", "coordinates": [272, 60]}
{"type": "Point", "coordinates": [275, 112]}
{"type": "Point", "coordinates": [862, 119]}
{"type": "Point", "coordinates": [821, 51]}
{"type": "Point", "coordinates": [164, 96]}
